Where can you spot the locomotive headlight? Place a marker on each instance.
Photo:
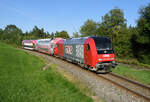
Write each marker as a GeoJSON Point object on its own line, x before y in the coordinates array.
{"type": "Point", "coordinates": [111, 58]}
{"type": "Point", "coordinates": [113, 62]}
{"type": "Point", "coordinates": [100, 59]}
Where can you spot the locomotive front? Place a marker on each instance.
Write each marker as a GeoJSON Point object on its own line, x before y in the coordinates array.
{"type": "Point", "coordinates": [105, 54]}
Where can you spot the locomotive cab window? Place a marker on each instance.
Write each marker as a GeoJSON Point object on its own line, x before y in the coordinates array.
{"type": "Point", "coordinates": [88, 47]}
{"type": "Point", "coordinates": [103, 45]}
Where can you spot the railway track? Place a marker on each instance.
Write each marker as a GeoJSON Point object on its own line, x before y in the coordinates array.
{"type": "Point", "coordinates": [131, 86]}
{"type": "Point", "coordinates": [135, 88]}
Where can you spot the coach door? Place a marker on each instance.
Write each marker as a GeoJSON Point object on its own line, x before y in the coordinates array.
{"type": "Point", "coordinates": [52, 49]}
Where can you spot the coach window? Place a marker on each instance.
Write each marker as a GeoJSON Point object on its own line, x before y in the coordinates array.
{"type": "Point", "coordinates": [56, 45]}
{"type": "Point", "coordinates": [88, 47]}
{"type": "Point", "coordinates": [52, 46]}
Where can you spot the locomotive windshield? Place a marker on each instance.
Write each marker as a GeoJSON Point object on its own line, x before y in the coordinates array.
{"type": "Point", "coordinates": [103, 45]}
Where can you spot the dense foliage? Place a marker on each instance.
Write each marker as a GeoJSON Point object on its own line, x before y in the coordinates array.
{"type": "Point", "coordinates": [143, 38]}
{"type": "Point", "coordinates": [13, 35]}
{"type": "Point", "coordinates": [129, 42]}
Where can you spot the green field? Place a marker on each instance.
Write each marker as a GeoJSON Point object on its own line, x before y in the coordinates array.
{"type": "Point", "coordinates": [140, 75]}
{"type": "Point", "coordinates": [23, 80]}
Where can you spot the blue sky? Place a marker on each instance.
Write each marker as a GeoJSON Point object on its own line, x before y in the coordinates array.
{"type": "Point", "coordinates": [60, 15]}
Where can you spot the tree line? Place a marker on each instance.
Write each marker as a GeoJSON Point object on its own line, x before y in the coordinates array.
{"type": "Point", "coordinates": [128, 41]}
{"type": "Point", "coordinates": [13, 35]}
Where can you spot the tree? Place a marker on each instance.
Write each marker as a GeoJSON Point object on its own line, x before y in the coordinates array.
{"type": "Point", "coordinates": [1, 34]}
{"type": "Point", "coordinates": [144, 25]}
{"type": "Point", "coordinates": [143, 37]}
{"type": "Point", "coordinates": [12, 34]}
{"type": "Point", "coordinates": [38, 33]}
{"type": "Point", "coordinates": [75, 35]}
{"type": "Point", "coordinates": [122, 43]}
{"type": "Point", "coordinates": [135, 46]}
{"type": "Point", "coordinates": [102, 30]}
{"type": "Point", "coordinates": [56, 34]}
{"type": "Point", "coordinates": [113, 25]}
{"type": "Point", "coordinates": [88, 28]}
{"type": "Point", "coordinates": [113, 21]}
{"type": "Point", "coordinates": [52, 35]}
{"type": "Point", "coordinates": [62, 34]}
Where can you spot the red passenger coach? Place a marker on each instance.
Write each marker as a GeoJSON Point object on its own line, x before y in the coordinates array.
{"type": "Point", "coordinates": [44, 45]}
{"type": "Point", "coordinates": [28, 44]}
{"type": "Point", "coordinates": [94, 53]}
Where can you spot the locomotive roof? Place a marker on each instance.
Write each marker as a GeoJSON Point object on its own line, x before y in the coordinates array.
{"type": "Point", "coordinates": [75, 40]}
{"type": "Point", "coordinates": [81, 40]}
{"type": "Point", "coordinates": [99, 37]}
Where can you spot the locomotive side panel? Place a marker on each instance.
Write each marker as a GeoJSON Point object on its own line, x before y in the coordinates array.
{"type": "Point", "coordinates": [80, 53]}
{"type": "Point", "coordinates": [90, 53]}
{"type": "Point", "coordinates": [68, 51]}
{"type": "Point", "coordinates": [74, 52]}
{"type": "Point", "coordinates": [74, 49]}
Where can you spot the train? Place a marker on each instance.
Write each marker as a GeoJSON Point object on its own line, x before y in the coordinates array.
{"type": "Point", "coordinates": [30, 44]}
{"type": "Point", "coordinates": [93, 53]}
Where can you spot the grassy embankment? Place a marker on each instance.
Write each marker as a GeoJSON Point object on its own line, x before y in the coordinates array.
{"type": "Point", "coordinates": [132, 61]}
{"type": "Point", "coordinates": [23, 80]}
{"type": "Point", "coordinates": [139, 75]}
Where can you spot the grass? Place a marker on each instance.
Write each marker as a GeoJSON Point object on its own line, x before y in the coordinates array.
{"type": "Point", "coordinates": [80, 85]}
{"type": "Point", "coordinates": [23, 80]}
{"type": "Point", "coordinates": [142, 76]}
{"type": "Point", "coordinates": [133, 62]}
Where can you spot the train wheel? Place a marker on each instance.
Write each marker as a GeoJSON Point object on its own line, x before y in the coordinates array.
{"type": "Point", "coordinates": [104, 71]}
{"type": "Point", "coordinates": [107, 69]}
